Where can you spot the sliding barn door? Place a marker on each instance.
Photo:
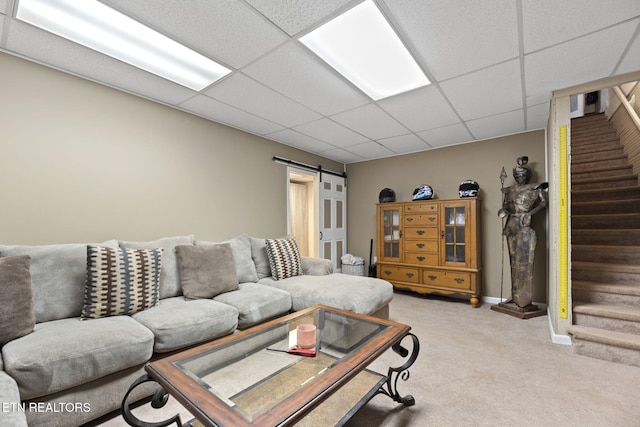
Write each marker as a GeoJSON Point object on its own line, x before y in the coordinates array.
{"type": "Point", "coordinates": [333, 219]}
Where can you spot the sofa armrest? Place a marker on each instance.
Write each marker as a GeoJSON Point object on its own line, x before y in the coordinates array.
{"type": "Point", "coordinates": [316, 266]}
{"type": "Point", "coordinates": [11, 413]}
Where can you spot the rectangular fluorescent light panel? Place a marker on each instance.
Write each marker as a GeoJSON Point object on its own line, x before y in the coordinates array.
{"type": "Point", "coordinates": [361, 45]}
{"type": "Point", "coordinates": [98, 27]}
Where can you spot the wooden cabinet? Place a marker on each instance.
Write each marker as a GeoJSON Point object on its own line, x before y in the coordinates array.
{"type": "Point", "coordinates": [431, 246]}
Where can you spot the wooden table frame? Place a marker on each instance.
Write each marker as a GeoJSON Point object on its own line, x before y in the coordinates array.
{"type": "Point", "coordinates": [212, 411]}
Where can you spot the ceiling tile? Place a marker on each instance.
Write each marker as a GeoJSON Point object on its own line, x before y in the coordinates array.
{"type": "Point", "coordinates": [296, 72]}
{"type": "Point", "coordinates": [631, 61]}
{"type": "Point", "coordinates": [501, 124]}
{"type": "Point", "coordinates": [294, 16]}
{"type": "Point", "coordinates": [549, 23]}
{"type": "Point", "coordinates": [226, 30]}
{"type": "Point", "coordinates": [370, 121]}
{"type": "Point", "coordinates": [329, 131]}
{"type": "Point", "coordinates": [298, 140]}
{"type": "Point", "coordinates": [454, 37]}
{"type": "Point", "coordinates": [446, 135]}
{"type": "Point", "coordinates": [341, 155]}
{"type": "Point", "coordinates": [57, 52]}
{"type": "Point", "coordinates": [280, 90]}
{"type": "Point", "coordinates": [204, 106]}
{"type": "Point", "coordinates": [370, 150]}
{"type": "Point", "coordinates": [537, 116]}
{"type": "Point", "coordinates": [579, 61]}
{"type": "Point", "coordinates": [404, 144]}
{"type": "Point", "coordinates": [246, 94]}
{"type": "Point", "coordinates": [421, 109]}
{"type": "Point", "coordinates": [470, 94]}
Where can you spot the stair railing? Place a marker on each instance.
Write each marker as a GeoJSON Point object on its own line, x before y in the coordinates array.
{"type": "Point", "coordinates": [628, 127]}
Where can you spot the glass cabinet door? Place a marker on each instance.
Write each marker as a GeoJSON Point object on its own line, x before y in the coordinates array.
{"type": "Point", "coordinates": [454, 235]}
{"type": "Point", "coordinates": [391, 234]}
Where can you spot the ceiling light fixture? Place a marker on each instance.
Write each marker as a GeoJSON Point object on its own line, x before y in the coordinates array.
{"type": "Point", "coordinates": [96, 26]}
{"type": "Point", "coordinates": [361, 45]}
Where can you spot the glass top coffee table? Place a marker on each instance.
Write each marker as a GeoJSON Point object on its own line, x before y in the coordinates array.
{"type": "Point", "coordinates": [263, 377]}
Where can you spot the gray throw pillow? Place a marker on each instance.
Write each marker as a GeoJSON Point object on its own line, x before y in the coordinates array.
{"type": "Point", "coordinates": [17, 317]}
{"type": "Point", "coordinates": [206, 270]}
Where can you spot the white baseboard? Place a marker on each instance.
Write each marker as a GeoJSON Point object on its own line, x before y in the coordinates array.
{"type": "Point", "coordinates": [557, 338]}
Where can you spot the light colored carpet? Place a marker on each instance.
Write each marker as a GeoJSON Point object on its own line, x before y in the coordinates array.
{"type": "Point", "coordinates": [478, 367]}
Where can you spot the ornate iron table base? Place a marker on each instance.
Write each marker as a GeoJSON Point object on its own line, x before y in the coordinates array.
{"type": "Point", "coordinates": [389, 388]}
{"type": "Point", "coordinates": [158, 400]}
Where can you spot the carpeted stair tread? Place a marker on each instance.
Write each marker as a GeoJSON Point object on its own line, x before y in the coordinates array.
{"type": "Point", "coordinates": [606, 221]}
{"type": "Point", "coordinates": [605, 266]}
{"type": "Point", "coordinates": [614, 288]}
{"type": "Point", "coordinates": [617, 194]}
{"type": "Point", "coordinates": [631, 314]}
{"type": "Point", "coordinates": [612, 338]}
{"type": "Point", "coordinates": [619, 236]}
{"type": "Point", "coordinates": [605, 207]}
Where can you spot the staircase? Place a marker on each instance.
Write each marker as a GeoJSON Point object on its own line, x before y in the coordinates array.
{"type": "Point", "coordinates": [605, 244]}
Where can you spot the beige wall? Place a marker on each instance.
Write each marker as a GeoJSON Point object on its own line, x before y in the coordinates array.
{"type": "Point", "coordinates": [444, 169]}
{"type": "Point", "coordinates": [82, 162]}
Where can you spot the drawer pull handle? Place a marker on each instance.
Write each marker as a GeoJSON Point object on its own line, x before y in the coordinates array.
{"type": "Point", "coordinates": [409, 275]}
{"type": "Point", "coordinates": [432, 277]}
{"type": "Point", "coordinates": [387, 272]}
{"type": "Point", "coordinates": [459, 280]}
{"type": "Point", "coordinates": [431, 218]}
{"type": "Point", "coordinates": [420, 232]}
{"type": "Point", "coordinates": [420, 258]}
{"type": "Point", "coordinates": [420, 245]}
{"type": "Point", "coordinates": [409, 219]}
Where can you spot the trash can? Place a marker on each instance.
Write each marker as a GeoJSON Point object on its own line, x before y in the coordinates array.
{"type": "Point", "coordinates": [352, 265]}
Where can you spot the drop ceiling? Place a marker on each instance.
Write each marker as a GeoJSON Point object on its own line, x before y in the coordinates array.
{"type": "Point", "coordinates": [493, 65]}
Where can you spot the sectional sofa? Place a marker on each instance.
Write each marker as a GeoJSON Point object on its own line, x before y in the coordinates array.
{"type": "Point", "coordinates": [80, 321]}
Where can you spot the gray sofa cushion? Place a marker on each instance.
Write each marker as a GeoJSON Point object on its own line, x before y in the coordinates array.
{"type": "Point", "coordinates": [178, 323]}
{"type": "Point", "coordinates": [256, 303]}
{"type": "Point", "coordinates": [65, 353]}
{"type": "Point", "coordinates": [16, 310]}
{"type": "Point", "coordinates": [206, 271]}
{"type": "Point", "coordinates": [260, 258]}
{"type": "Point", "coordinates": [359, 294]}
{"type": "Point", "coordinates": [58, 274]}
{"type": "Point", "coordinates": [316, 266]}
{"type": "Point", "coordinates": [169, 276]}
{"type": "Point", "coordinates": [11, 414]}
{"type": "Point", "coordinates": [241, 248]}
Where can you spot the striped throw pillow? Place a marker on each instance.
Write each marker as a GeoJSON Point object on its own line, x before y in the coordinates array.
{"type": "Point", "coordinates": [284, 258]}
{"type": "Point", "coordinates": [121, 281]}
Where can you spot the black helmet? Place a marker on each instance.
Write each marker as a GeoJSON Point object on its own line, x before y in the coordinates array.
{"type": "Point", "coordinates": [387, 195]}
{"type": "Point", "coordinates": [468, 188]}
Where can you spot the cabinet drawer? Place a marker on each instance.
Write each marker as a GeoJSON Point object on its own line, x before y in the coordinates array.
{"type": "Point", "coordinates": [421, 207]}
{"type": "Point", "coordinates": [418, 258]}
{"type": "Point", "coordinates": [421, 233]}
{"type": "Point", "coordinates": [421, 246]}
{"type": "Point", "coordinates": [402, 274]}
{"type": "Point", "coordinates": [430, 219]}
{"type": "Point", "coordinates": [447, 279]}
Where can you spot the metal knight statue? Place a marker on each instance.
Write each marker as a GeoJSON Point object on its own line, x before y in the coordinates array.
{"type": "Point", "coordinates": [520, 202]}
